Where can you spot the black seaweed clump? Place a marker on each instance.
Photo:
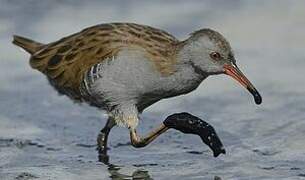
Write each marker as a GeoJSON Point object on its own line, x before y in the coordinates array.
{"type": "Point", "coordinates": [190, 124]}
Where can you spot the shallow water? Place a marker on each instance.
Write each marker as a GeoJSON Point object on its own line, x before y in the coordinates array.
{"type": "Point", "coordinates": [45, 136]}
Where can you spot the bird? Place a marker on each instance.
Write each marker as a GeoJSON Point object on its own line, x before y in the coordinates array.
{"type": "Point", "coordinates": [123, 68]}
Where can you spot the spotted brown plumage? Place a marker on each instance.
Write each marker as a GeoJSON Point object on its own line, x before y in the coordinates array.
{"type": "Point", "coordinates": [65, 61]}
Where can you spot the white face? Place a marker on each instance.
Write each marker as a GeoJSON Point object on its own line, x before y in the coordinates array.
{"type": "Point", "coordinates": [209, 55]}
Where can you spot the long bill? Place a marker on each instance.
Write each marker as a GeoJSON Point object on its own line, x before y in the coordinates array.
{"type": "Point", "coordinates": [235, 73]}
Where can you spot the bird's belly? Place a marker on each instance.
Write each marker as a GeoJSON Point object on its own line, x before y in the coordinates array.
{"type": "Point", "coordinates": [119, 80]}
{"type": "Point", "coordinates": [136, 81]}
{"type": "Point", "coordinates": [142, 93]}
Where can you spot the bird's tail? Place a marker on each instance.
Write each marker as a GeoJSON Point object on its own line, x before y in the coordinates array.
{"type": "Point", "coordinates": [29, 45]}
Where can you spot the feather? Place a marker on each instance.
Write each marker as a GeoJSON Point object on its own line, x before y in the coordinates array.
{"type": "Point", "coordinates": [66, 61]}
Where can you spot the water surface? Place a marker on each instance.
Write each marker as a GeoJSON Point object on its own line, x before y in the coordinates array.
{"type": "Point", "coordinates": [45, 136]}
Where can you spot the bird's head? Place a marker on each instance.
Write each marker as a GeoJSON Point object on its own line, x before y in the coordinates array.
{"type": "Point", "coordinates": [210, 53]}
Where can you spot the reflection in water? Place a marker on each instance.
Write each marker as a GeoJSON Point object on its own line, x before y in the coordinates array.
{"type": "Point", "coordinates": [217, 178]}
{"type": "Point", "coordinates": [113, 170]}
{"type": "Point", "coordinates": [138, 174]}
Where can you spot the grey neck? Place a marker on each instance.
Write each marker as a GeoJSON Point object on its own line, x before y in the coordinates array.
{"type": "Point", "coordinates": [187, 76]}
{"type": "Point", "coordinates": [184, 57]}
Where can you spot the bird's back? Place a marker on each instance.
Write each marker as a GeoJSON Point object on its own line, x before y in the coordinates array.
{"type": "Point", "coordinates": [66, 61]}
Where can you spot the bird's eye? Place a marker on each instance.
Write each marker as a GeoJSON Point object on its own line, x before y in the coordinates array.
{"type": "Point", "coordinates": [215, 55]}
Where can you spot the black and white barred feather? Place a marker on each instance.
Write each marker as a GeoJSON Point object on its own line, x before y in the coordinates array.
{"type": "Point", "coordinates": [91, 76]}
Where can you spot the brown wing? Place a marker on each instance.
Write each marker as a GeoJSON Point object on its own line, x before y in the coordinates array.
{"type": "Point", "coordinates": [66, 60]}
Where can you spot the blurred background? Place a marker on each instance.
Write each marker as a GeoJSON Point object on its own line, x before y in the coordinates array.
{"type": "Point", "coordinates": [43, 135]}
